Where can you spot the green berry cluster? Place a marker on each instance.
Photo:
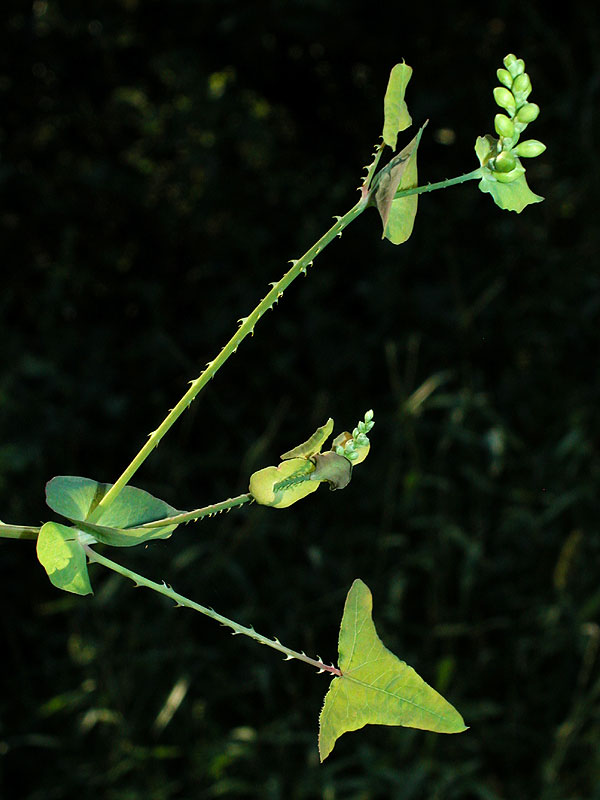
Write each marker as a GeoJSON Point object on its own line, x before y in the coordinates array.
{"type": "Point", "coordinates": [512, 97]}
{"type": "Point", "coordinates": [353, 447]}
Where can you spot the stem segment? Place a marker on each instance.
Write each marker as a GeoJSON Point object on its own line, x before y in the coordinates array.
{"type": "Point", "coordinates": [246, 327]}
{"type": "Point", "coordinates": [431, 187]}
{"type": "Point", "coordinates": [18, 531]}
{"type": "Point", "coordinates": [180, 600]}
{"type": "Point", "coordinates": [198, 513]}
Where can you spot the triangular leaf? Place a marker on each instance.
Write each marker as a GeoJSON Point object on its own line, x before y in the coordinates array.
{"type": "Point", "coordinates": [375, 686]}
{"type": "Point", "coordinates": [312, 445]}
{"type": "Point", "coordinates": [60, 552]}
{"type": "Point", "coordinates": [75, 498]}
{"type": "Point", "coordinates": [513, 196]}
{"type": "Point", "coordinates": [398, 214]}
{"type": "Point", "coordinates": [396, 116]}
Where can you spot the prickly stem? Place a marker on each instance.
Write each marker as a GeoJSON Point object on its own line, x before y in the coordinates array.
{"type": "Point", "coordinates": [179, 599]}
{"type": "Point", "coordinates": [246, 327]}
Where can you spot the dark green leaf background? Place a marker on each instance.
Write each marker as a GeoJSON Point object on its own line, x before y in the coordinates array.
{"type": "Point", "coordinates": [160, 162]}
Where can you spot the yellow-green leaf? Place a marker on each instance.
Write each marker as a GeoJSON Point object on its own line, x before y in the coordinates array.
{"type": "Point", "coordinates": [396, 116]}
{"type": "Point", "coordinates": [284, 485]}
{"type": "Point", "coordinates": [60, 552]}
{"type": "Point", "coordinates": [375, 687]}
{"type": "Point", "coordinates": [313, 444]}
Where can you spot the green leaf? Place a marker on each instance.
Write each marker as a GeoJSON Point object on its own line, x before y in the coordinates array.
{"type": "Point", "coordinates": [514, 196]}
{"type": "Point", "coordinates": [313, 445]}
{"type": "Point", "coordinates": [284, 485]}
{"type": "Point", "coordinates": [75, 498]}
{"type": "Point", "coordinates": [398, 214]}
{"type": "Point", "coordinates": [396, 116]}
{"type": "Point", "coordinates": [60, 552]}
{"type": "Point", "coordinates": [376, 688]}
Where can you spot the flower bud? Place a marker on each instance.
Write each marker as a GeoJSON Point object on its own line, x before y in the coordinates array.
{"type": "Point", "coordinates": [528, 113]}
{"type": "Point", "coordinates": [517, 67]}
{"type": "Point", "coordinates": [504, 77]}
{"type": "Point", "coordinates": [509, 177]}
{"type": "Point", "coordinates": [504, 162]}
{"type": "Point", "coordinates": [529, 149]}
{"type": "Point", "coordinates": [504, 98]}
{"type": "Point", "coordinates": [522, 84]}
{"type": "Point", "coordinates": [509, 59]}
{"type": "Point", "coordinates": [504, 126]}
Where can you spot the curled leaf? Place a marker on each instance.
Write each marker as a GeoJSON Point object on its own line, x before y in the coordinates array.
{"type": "Point", "coordinates": [398, 213]}
{"type": "Point", "coordinates": [334, 469]}
{"type": "Point", "coordinates": [284, 485]}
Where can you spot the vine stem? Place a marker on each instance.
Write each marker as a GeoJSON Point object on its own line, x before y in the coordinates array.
{"type": "Point", "coordinates": [365, 188]}
{"type": "Point", "coordinates": [247, 326]}
{"type": "Point", "coordinates": [198, 513]}
{"type": "Point", "coordinates": [180, 600]}
{"type": "Point", "coordinates": [431, 187]}
{"type": "Point", "coordinates": [248, 323]}
{"type": "Point", "coordinates": [18, 531]}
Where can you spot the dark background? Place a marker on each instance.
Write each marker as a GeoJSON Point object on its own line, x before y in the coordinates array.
{"type": "Point", "coordinates": [160, 162]}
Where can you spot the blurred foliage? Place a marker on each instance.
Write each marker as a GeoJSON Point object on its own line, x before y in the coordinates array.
{"type": "Point", "coordinates": [159, 164]}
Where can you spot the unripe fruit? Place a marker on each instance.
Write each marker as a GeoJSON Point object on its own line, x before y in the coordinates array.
{"type": "Point", "coordinates": [504, 77]}
{"type": "Point", "coordinates": [504, 162]}
{"type": "Point", "coordinates": [522, 84]}
{"type": "Point", "coordinates": [504, 126]}
{"type": "Point", "coordinates": [529, 149]}
{"type": "Point", "coordinates": [504, 98]}
{"type": "Point", "coordinates": [528, 113]}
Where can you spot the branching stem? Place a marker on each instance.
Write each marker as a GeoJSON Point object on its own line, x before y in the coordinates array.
{"type": "Point", "coordinates": [180, 600]}
{"type": "Point", "coordinates": [247, 327]}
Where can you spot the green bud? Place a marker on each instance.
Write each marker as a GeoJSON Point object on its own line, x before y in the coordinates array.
{"type": "Point", "coordinates": [509, 60]}
{"type": "Point", "coordinates": [522, 84]}
{"type": "Point", "coordinates": [369, 415]}
{"type": "Point", "coordinates": [529, 149]}
{"type": "Point", "coordinates": [528, 113]}
{"type": "Point", "coordinates": [504, 77]}
{"type": "Point", "coordinates": [504, 126]}
{"type": "Point", "coordinates": [509, 177]}
{"type": "Point", "coordinates": [504, 98]}
{"type": "Point", "coordinates": [517, 67]}
{"type": "Point", "coordinates": [504, 162]}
